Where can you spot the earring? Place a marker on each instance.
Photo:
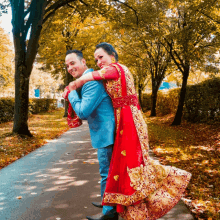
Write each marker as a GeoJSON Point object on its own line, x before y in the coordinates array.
{"type": "Point", "coordinates": [113, 60]}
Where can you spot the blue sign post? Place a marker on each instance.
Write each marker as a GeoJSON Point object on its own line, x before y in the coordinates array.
{"type": "Point", "coordinates": [164, 85]}
{"type": "Point", "coordinates": [37, 93]}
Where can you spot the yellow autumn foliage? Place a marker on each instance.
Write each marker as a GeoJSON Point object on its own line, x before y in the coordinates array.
{"type": "Point", "coordinates": [6, 59]}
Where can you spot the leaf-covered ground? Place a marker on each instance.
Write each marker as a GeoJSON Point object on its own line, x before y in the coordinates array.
{"type": "Point", "coordinates": [195, 148]}
{"type": "Point", "coordinates": [44, 127]}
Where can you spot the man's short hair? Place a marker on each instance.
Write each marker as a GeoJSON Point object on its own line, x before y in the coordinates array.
{"type": "Point", "coordinates": [77, 52]}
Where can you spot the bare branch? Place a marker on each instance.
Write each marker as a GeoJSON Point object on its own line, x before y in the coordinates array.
{"type": "Point", "coordinates": [218, 22]}
{"type": "Point", "coordinates": [173, 57]}
{"type": "Point", "coordinates": [125, 4]}
{"type": "Point", "coordinates": [30, 19]}
{"type": "Point", "coordinates": [200, 10]}
{"type": "Point", "coordinates": [84, 3]}
{"type": "Point", "coordinates": [69, 5]}
{"type": "Point", "coordinates": [52, 9]}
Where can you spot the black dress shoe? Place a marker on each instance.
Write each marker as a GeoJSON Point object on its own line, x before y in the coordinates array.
{"type": "Point", "coordinates": [97, 204]}
{"type": "Point", "coordinates": [101, 216]}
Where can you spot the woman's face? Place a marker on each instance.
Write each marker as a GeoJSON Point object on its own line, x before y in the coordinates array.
{"type": "Point", "coordinates": [102, 58]}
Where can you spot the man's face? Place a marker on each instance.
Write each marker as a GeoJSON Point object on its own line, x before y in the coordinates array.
{"type": "Point", "coordinates": [74, 65]}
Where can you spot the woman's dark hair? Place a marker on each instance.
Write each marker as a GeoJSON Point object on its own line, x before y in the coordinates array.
{"type": "Point", "coordinates": [108, 48]}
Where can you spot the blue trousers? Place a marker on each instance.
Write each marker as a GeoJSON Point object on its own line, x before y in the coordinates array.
{"type": "Point", "coordinates": [104, 158]}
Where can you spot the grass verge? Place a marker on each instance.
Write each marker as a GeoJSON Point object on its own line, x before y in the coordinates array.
{"type": "Point", "coordinates": [44, 126]}
{"type": "Point", "coordinates": [195, 148]}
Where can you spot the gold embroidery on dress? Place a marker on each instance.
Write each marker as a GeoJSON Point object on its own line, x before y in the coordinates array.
{"type": "Point", "coordinates": [150, 175]}
{"type": "Point", "coordinates": [102, 73]}
{"type": "Point", "coordinates": [118, 113]}
{"type": "Point", "coordinates": [129, 81]}
{"type": "Point", "coordinates": [116, 177]}
{"type": "Point", "coordinates": [121, 132]}
{"type": "Point", "coordinates": [141, 128]}
{"type": "Point", "coordinates": [176, 181]}
{"type": "Point", "coordinates": [123, 152]}
{"type": "Point", "coordinates": [114, 87]}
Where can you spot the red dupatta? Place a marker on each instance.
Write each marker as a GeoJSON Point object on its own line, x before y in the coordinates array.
{"type": "Point", "coordinates": [73, 119]}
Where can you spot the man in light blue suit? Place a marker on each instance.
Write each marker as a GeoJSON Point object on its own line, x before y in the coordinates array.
{"type": "Point", "coordinates": [93, 104]}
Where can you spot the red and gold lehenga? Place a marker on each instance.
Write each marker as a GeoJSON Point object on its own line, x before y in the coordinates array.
{"type": "Point", "coordinates": [138, 185]}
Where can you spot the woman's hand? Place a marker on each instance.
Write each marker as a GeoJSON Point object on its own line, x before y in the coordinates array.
{"type": "Point", "coordinates": [73, 86]}
{"type": "Point", "coordinates": [76, 84]}
{"type": "Point", "coordinates": [80, 81]}
{"type": "Point", "coordinates": [65, 93]}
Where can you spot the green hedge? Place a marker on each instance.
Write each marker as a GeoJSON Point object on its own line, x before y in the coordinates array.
{"type": "Point", "coordinates": [166, 102]}
{"type": "Point", "coordinates": [6, 109]}
{"type": "Point", "coordinates": [35, 106]}
{"type": "Point", "coordinates": [202, 102]}
{"type": "Point", "coordinates": [41, 105]}
{"type": "Point", "coordinates": [146, 102]}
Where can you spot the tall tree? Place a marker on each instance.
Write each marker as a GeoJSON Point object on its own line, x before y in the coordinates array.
{"type": "Point", "coordinates": [148, 60]}
{"type": "Point", "coordinates": [131, 54]}
{"type": "Point", "coordinates": [56, 38]}
{"type": "Point", "coordinates": [189, 30]}
{"type": "Point", "coordinates": [28, 17]}
{"type": "Point", "coordinates": [159, 61]}
{"type": "Point", "coordinates": [190, 39]}
{"type": "Point", "coordinates": [76, 31]}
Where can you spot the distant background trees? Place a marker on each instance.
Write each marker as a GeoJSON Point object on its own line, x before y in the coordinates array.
{"type": "Point", "coordinates": [158, 40]}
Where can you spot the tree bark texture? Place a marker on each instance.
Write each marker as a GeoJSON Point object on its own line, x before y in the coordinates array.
{"type": "Point", "coordinates": [179, 112]}
{"type": "Point", "coordinates": [153, 103]}
{"type": "Point", "coordinates": [140, 89]}
{"type": "Point", "coordinates": [21, 99]}
{"type": "Point", "coordinates": [156, 82]}
{"type": "Point", "coordinates": [24, 58]}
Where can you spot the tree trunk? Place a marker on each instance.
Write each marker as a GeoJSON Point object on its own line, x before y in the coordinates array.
{"type": "Point", "coordinates": [155, 87]}
{"type": "Point", "coordinates": [140, 94]}
{"type": "Point", "coordinates": [153, 96]}
{"type": "Point", "coordinates": [25, 53]}
{"type": "Point", "coordinates": [153, 102]}
{"type": "Point", "coordinates": [179, 112]}
{"type": "Point", "coordinates": [65, 108]}
{"type": "Point", "coordinates": [21, 97]}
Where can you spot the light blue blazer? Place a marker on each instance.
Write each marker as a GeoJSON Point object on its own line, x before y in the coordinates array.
{"type": "Point", "coordinates": [93, 104]}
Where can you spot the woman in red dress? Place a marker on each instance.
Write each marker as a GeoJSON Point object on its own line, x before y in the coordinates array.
{"type": "Point", "coordinates": [138, 185]}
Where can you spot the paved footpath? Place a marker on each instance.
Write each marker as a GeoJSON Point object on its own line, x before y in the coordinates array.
{"type": "Point", "coordinates": [58, 182]}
